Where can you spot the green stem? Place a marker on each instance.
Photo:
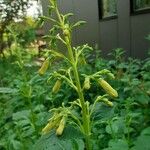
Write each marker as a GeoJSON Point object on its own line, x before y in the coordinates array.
{"type": "Point", "coordinates": [85, 116]}
{"type": "Point", "coordinates": [85, 113]}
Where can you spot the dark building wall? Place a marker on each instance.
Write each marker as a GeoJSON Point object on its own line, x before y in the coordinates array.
{"type": "Point", "coordinates": [123, 26]}
{"type": "Point", "coordinates": [83, 10]}
{"type": "Point", "coordinates": [87, 10]}
{"type": "Point", "coordinates": [125, 31]}
{"type": "Point", "coordinates": [108, 35]}
{"type": "Point", "coordinates": [140, 27]}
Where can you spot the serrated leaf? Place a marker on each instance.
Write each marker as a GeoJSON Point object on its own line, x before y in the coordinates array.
{"type": "Point", "coordinates": [66, 141]}
{"type": "Point", "coordinates": [103, 112]}
{"type": "Point", "coordinates": [118, 144]}
{"type": "Point", "coordinates": [24, 114]}
{"type": "Point", "coordinates": [5, 90]}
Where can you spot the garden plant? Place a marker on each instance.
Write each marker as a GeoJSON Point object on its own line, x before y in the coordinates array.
{"type": "Point", "coordinates": [62, 31]}
{"type": "Point", "coordinates": [71, 98]}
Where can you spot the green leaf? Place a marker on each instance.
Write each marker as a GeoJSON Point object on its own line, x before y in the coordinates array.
{"type": "Point", "coordinates": [135, 82]}
{"type": "Point", "coordinates": [117, 127]}
{"type": "Point", "coordinates": [142, 98]}
{"type": "Point", "coordinates": [142, 143]}
{"type": "Point", "coordinates": [79, 23]}
{"type": "Point", "coordinates": [66, 16]}
{"type": "Point", "coordinates": [146, 131]}
{"type": "Point", "coordinates": [78, 144]}
{"type": "Point", "coordinates": [70, 138]}
{"type": "Point", "coordinates": [103, 112]}
{"type": "Point", "coordinates": [118, 144]}
{"type": "Point", "coordinates": [16, 144]}
{"type": "Point", "coordinates": [24, 114]}
{"type": "Point", "coordinates": [6, 90]}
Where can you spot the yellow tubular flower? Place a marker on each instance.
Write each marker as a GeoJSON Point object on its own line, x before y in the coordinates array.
{"type": "Point", "coordinates": [61, 127]}
{"type": "Point", "coordinates": [108, 89]}
{"type": "Point", "coordinates": [44, 67]}
{"type": "Point", "coordinates": [57, 86]}
{"type": "Point", "coordinates": [53, 123]}
{"type": "Point", "coordinates": [47, 128]}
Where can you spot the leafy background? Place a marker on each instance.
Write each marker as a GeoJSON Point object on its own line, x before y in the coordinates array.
{"type": "Point", "coordinates": [26, 97]}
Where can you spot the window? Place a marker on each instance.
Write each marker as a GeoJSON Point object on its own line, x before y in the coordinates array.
{"type": "Point", "coordinates": [140, 6]}
{"type": "Point", "coordinates": [107, 8]}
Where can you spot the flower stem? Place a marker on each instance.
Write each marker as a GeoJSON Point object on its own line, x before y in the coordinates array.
{"type": "Point", "coordinates": [85, 113]}
{"type": "Point", "coordinates": [85, 116]}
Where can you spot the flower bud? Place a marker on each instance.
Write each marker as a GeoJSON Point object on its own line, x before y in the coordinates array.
{"type": "Point", "coordinates": [107, 102]}
{"type": "Point", "coordinates": [56, 87]}
{"type": "Point", "coordinates": [47, 128]}
{"type": "Point", "coordinates": [53, 123]}
{"type": "Point", "coordinates": [44, 67]}
{"type": "Point", "coordinates": [66, 31]}
{"type": "Point", "coordinates": [111, 75]}
{"type": "Point", "coordinates": [108, 89]}
{"type": "Point", "coordinates": [87, 83]}
{"type": "Point", "coordinates": [61, 127]}
{"type": "Point", "coordinates": [148, 92]}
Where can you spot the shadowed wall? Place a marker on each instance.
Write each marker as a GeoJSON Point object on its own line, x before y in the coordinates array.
{"type": "Point", "coordinates": [126, 31]}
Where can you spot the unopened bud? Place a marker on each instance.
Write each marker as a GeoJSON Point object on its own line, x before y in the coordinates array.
{"type": "Point", "coordinates": [53, 123]}
{"type": "Point", "coordinates": [111, 75]}
{"type": "Point", "coordinates": [44, 67]}
{"type": "Point", "coordinates": [108, 89]}
{"type": "Point", "coordinates": [66, 31]}
{"type": "Point", "coordinates": [87, 83]}
{"type": "Point", "coordinates": [56, 87]}
{"type": "Point", "coordinates": [47, 128]}
{"type": "Point", "coordinates": [107, 102]}
{"type": "Point", "coordinates": [61, 127]}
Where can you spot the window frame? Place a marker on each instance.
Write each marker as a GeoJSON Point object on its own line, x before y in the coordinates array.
{"type": "Point", "coordinates": [137, 12]}
{"type": "Point", "coordinates": [100, 11]}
